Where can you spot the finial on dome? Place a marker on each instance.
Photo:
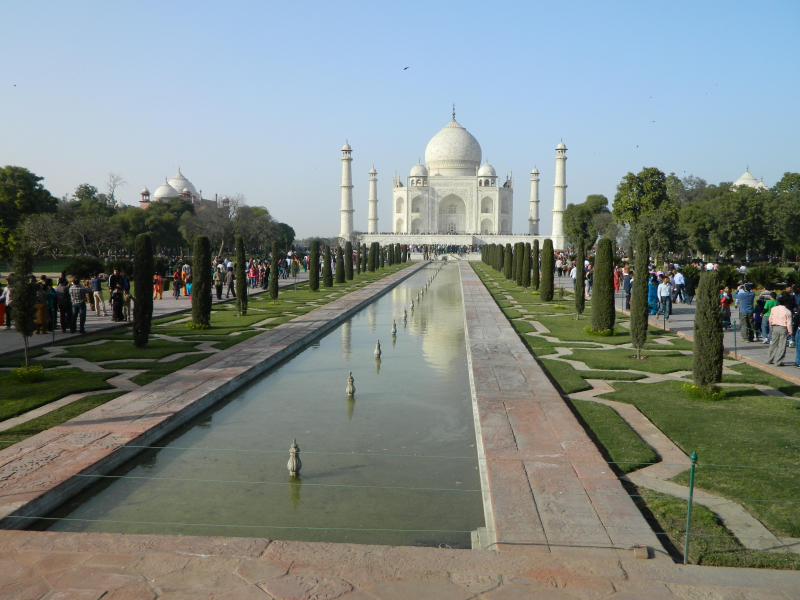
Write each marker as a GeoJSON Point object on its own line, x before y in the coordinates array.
{"type": "Point", "coordinates": [747, 169]}
{"type": "Point", "coordinates": [454, 112]}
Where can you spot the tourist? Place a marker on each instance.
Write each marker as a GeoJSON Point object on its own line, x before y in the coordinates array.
{"type": "Point", "coordinates": [97, 293]}
{"type": "Point", "coordinates": [559, 266]}
{"type": "Point", "coordinates": [664, 292]}
{"type": "Point", "coordinates": [158, 286]}
{"type": "Point", "coordinates": [589, 280]}
{"type": "Point", "coordinates": [5, 300]}
{"type": "Point", "coordinates": [680, 286]}
{"type": "Point", "coordinates": [126, 304]}
{"type": "Point", "coordinates": [64, 304]}
{"type": "Point", "coordinates": [758, 316]}
{"type": "Point", "coordinates": [218, 281]}
{"type": "Point", "coordinates": [688, 288]}
{"type": "Point", "coordinates": [187, 287]}
{"type": "Point", "coordinates": [771, 303]}
{"type": "Point", "coordinates": [746, 297]}
{"type": "Point", "coordinates": [177, 283]}
{"type": "Point", "coordinates": [51, 304]}
{"type": "Point", "coordinates": [627, 286]}
{"type": "Point", "coordinates": [725, 307]}
{"type": "Point", "coordinates": [125, 281]}
{"type": "Point", "coordinates": [117, 299]}
{"type": "Point", "coordinates": [113, 280]}
{"type": "Point", "coordinates": [78, 295]}
{"type": "Point", "coordinates": [42, 319]}
{"type": "Point", "coordinates": [229, 282]}
{"type": "Point", "coordinates": [780, 323]}
{"type": "Point", "coordinates": [652, 295]}
{"type": "Point", "coordinates": [796, 335]}
{"type": "Point", "coordinates": [186, 271]}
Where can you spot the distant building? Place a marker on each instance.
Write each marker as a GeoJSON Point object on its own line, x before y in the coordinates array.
{"type": "Point", "coordinates": [178, 187]}
{"type": "Point", "coordinates": [750, 181]}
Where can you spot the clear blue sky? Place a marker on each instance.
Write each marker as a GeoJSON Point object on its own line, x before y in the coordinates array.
{"type": "Point", "coordinates": [258, 97]}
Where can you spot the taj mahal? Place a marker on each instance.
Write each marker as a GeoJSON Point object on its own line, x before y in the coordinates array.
{"type": "Point", "coordinates": [452, 198]}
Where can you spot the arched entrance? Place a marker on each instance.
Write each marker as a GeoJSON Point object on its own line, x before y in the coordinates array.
{"type": "Point", "coordinates": [416, 226]}
{"type": "Point", "coordinates": [487, 226]}
{"type": "Point", "coordinates": [452, 215]}
{"type": "Point", "coordinates": [398, 226]}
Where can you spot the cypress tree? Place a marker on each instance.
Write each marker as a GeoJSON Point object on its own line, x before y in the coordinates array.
{"type": "Point", "coordinates": [383, 257]}
{"type": "Point", "coordinates": [273, 273]}
{"type": "Point", "coordinates": [241, 277]}
{"type": "Point", "coordinates": [348, 263]}
{"type": "Point", "coordinates": [535, 265]}
{"type": "Point", "coordinates": [707, 358]}
{"type": "Point", "coordinates": [508, 262]}
{"type": "Point", "coordinates": [499, 257]}
{"type": "Point", "coordinates": [339, 265]}
{"type": "Point", "coordinates": [24, 292]}
{"type": "Point", "coordinates": [404, 253]}
{"type": "Point", "coordinates": [358, 259]}
{"type": "Point", "coordinates": [515, 266]}
{"type": "Point", "coordinates": [364, 258]}
{"type": "Point", "coordinates": [526, 266]}
{"type": "Point", "coordinates": [580, 281]}
{"type": "Point", "coordinates": [603, 312]}
{"type": "Point", "coordinates": [547, 283]}
{"type": "Point", "coordinates": [639, 309]}
{"type": "Point", "coordinates": [327, 274]}
{"type": "Point", "coordinates": [313, 266]}
{"type": "Point", "coordinates": [143, 269]}
{"type": "Point", "coordinates": [520, 262]}
{"type": "Point", "coordinates": [398, 254]}
{"type": "Point", "coordinates": [201, 283]}
{"type": "Point", "coordinates": [372, 258]}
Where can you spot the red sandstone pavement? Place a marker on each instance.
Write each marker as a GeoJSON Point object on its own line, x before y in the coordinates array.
{"type": "Point", "coordinates": [549, 485]}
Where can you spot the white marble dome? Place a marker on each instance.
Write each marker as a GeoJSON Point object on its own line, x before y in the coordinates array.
{"type": "Point", "coordinates": [487, 170]}
{"type": "Point", "coordinates": [561, 146]}
{"type": "Point", "coordinates": [418, 170]}
{"type": "Point", "coordinates": [750, 181]}
{"type": "Point", "coordinates": [165, 190]}
{"type": "Point", "coordinates": [453, 151]}
{"type": "Point", "coordinates": [179, 182]}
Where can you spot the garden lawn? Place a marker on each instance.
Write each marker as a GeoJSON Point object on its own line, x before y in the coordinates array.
{"type": "Point", "coordinates": [750, 374]}
{"type": "Point", "coordinates": [17, 398]}
{"type": "Point", "coordinates": [571, 380]}
{"type": "Point", "coordinates": [620, 444]}
{"type": "Point", "coordinates": [747, 429]}
{"type": "Point", "coordinates": [620, 358]}
{"type": "Point", "coordinates": [124, 350]}
{"type": "Point", "coordinates": [710, 543]}
{"type": "Point", "coordinates": [61, 415]}
{"type": "Point", "coordinates": [18, 360]}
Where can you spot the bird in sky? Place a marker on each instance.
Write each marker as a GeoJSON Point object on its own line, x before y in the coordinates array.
{"type": "Point", "coordinates": [406, 69]}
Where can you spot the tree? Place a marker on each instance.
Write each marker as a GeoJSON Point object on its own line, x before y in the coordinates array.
{"type": "Point", "coordinates": [696, 222]}
{"type": "Point", "coordinates": [580, 279]}
{"type": "Point", "coordinates": [508, 262]}
{"type": "Point", "coordinates": [201, 283]}
{"type": "Point", "coordinates": [535, 265]}
{"type": "Point", "coordinates": [518, 260]}
{"type": "Point", "coordinates": [526, 266]}
{"type": "Point", "coordinates": [580, 220]}
{"type": "Point", "coordinates": [241, 277]}
{"type": "Point", "coordinates": [313, 266]}
{"type": "Point", "coordinates": [95, 233]}
{"type": "Point", "coordinates": [327, 274]}
{"type": "Point", "coordinates": [364, 258]}
{"type": "Point", "coordinates": [358, 259]}
{"type": "Point", "coordinates": [143, 270]}
{"type": "Point", "coordinates": [21, 194]}
{"type": "Point", "coordinates": [603, 312]}
{"type": "Point", "coordinates": [639, 308]}
{"type": "Point", "coordinates": [371, 257]}
{"type": "Point", "coordinates": [548, 268]}
{"type": "Point", "coordinates": [24, 291]}
{"type": "Point", "coordinates": [707, 356]}
{"type": "Point", "coordinates": [273, 272]}
{"type": "Point", "coordinates": [286, 235]}
{"type": "Point", "coordinates": [115, 181]}
{"type": "Point", "coordinates": [640, 194]}
{"type": "Point", "coordinates": [790, 182]}
{"type": "Point", "coordinates": [44, 232]}
{"type": "Point", "coordinates": [348, 263]}
{"type": "Point", "coordinates": [340, 268]}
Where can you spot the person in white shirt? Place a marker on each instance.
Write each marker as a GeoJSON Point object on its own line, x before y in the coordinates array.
{"type": "Point", "coordinates": [573, 275]}
{"type": "Point", "coordinates": [664, 293]}
{"type": "Point", "coordinates": [679, 282]}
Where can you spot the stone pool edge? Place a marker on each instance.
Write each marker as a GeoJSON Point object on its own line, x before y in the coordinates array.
{"type": "Point", "coordinates": [43, 471]}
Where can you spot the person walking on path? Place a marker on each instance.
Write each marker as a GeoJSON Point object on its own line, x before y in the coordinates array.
{"type": "Point", "coordinates": [97, 292]}
{"type": "Point", "coordinates": [218, 284]}
{"type": "Point", "coordinates": [229, 282]}
{"type": "Point", "coordinates": [680, 287]}
{"type": "Point", "coordinates": [746, 297]}
{"type": "Point", "coordinates": [117, 299]}
{"type": "Point", "coordinates": [627, 286]}
{"type": "Point", "coordinates": [758, 318]}
{"type": "Point", "coordinates": [725, 307]}
{"type": "Point", "coordinates": [768, 306]}
{"type": "Point", "coordinates": [158, 286]}
{"type": "Point", "coordinates": [78, 294]}
{"type": "Point", "coordinates": [5, 299]}
{"type": "Point", "coordinates": [796, 329]}
{"type": "Point", "coordinates": [688, 288]}
{"type": "Point", "coordinates": [177, 283]}
{"type": "Point", "coordinates": [664, 293]}
{"type": "Point", "coordinates": [780, 324]}
{"type": "Point", "coordinates": [186, 272]}
{"type": "Point", "coordinates": [64, 304]}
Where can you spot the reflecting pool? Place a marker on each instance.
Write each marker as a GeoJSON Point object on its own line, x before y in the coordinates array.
{"type": "Point", "coordinates": [394, 465]}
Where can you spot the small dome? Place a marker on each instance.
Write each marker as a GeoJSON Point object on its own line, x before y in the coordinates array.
{"type": "Point", "coordinates": [346, 147]}
{"type": "Point", "coordinates": [165, 191]}
{"type": "Point", "coordinates": [561, 146]}
{"type": "Point", "coordinates": [487, 170]}
{"type": "Point", "coordinates": [145, 191]}
{"type": "Point", "coordinates": [418, 170]}
{"type": "Point", "coordinates": [179, 182]}
{"type": "Point", "coordinates": [372, 171]}
{"type": "Point", "coordinates": [119, 205]}
{"type": "Point", "coordinates": [747, 179]}
{"type": "Point", "coordinates": [535, 171]}
{"type": "Point", "coordinates": [184, 190]}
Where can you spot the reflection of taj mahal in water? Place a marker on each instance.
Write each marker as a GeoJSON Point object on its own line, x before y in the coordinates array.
{"type": "Point", "coordinates": [452, 198]}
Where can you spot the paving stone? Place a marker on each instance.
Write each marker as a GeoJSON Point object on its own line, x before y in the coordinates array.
{"type": "Point", "coordinates": [137, 591]}
{"type": "Point", "coordinates": [511, 592]}
{"type": "Point", "coordinates": [256, 571]}
{"type": "Point", "coordinates": [12, 572]}
{"type": "Point", "coordinates": [92, 578]}
{"type": "Point", "coordinates": [113, 560]}
{"type": "Point", "coordinates": [420, 588]}
{"type": "Point", "coordinates": [29, 590]}
{"type": "Point", "coordinates": [157, 565]}
{"type": "Point", "coordinates": [306, 587]}
{"type": "Point", "coordinates": [477, 583]}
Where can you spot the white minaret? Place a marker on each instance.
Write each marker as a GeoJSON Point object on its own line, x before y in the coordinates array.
{"type": "Point", "coordinates": [560, 193]}
{"type": "Point", "coordinates": [347, 193]}
{"type": "Point", "coordinates": [533, 214]}
{"type": "Point", "coordinates": [372, 217]}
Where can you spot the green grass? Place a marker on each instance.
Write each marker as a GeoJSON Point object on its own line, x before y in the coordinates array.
{"type": "Point", "coordinates": [750, 374]}
{"type": "Point", "coordinates": [619, 444]}
{"type": "Point", "coordinates": [18, 360]}
{"type": "Point", "coordinates": [57, 417]}
{"type": "Point", "coordinates": [235, 339]}
{"type": "Point", "coordinates": [675, 343]}
{"type": "Point", "coordinates": [122, 350]}
{"type": "Point", "coordinates": [571, 381]}
{"type": "Point", "coordinates": [747, 429]}
{"type": "Point", "coordinates": [710, 543]}
{"type": "Point", "coordinates": [158, 370]}
{"type": "Point", "coordinates": [124, 335]}
{"type": "Point", "coordinates": [620, 358]}
{"type": "Point", "coordinates": [18, 398]}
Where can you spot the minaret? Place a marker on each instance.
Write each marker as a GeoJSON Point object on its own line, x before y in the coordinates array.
{"type": "Point", "coordinates": [347, 193]}
{"type": "Point", "coordinates": [560, 193]}
{"type": "Point", "coordinates": [533, 215]}
{"type": "Point", "coordinates": [372, 217]}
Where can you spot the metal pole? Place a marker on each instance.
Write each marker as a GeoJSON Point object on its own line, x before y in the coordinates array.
{"type": "Point", "coordinates": [735, 349]}
{"type": "Point", "coordinates": [693, 458]}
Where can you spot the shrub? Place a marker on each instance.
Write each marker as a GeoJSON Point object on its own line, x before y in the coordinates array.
{"type": "Point", "coordinates": [84, 267]}
{"type": "Point", "coordinates": [201, 282]}
{"type": "Point", "coordinates": [603, 312]}
{"type": "Point", "coordinates": [28, 375]}
{"type": "Point", "coordinates": [143, 284]}
{"type": "Point", "coordinates": [600, 332]}
{"type": "Point", "coordinates": [24, 292]}
{"type": "Point", "coordinates": [707, 357]}
{"type": "Point", "coordinates": [121, 264]}
{"type": "Point", "coordinates": [548, 270]}
{"type": "Point", "coordinates": [709, 394]}
{"type": "Point", "coordinates": [767, 277]}
{"type": "Point", "coordinates": [638, 323]}
{"type": "Point", "coordinates": [728, 276]}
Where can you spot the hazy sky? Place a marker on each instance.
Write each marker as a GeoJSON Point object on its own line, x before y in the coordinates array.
{"type": "Point", "coordinates": [259, 97]}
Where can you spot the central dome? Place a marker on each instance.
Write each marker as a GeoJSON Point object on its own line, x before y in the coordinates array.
{"type": "Point", "coordinates": [453, 151]}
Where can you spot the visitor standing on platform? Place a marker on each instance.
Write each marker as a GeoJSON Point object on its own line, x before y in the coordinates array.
{"type": "Point", "coordinates": [746, 297]}
{"type": "Point", "coordinates": [780, 324]}
{"type": "Point", "coordinates": [78, 294]}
